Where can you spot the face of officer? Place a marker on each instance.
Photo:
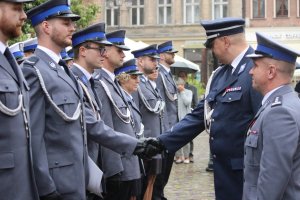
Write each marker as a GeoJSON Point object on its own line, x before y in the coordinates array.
{"type": "Point", "coordinates": [113, 58]}
{"type": "Point", "coordinates": [129, 82]}
{"type": "Point", "coordinates": [60, 30]}
{"type": "Point", "coordinates": [12, 17]}
{"type": "Point", "coordinates": [92, 53]}
{"type": "Point", "coordinates": [261, 72]}
{"type": "Point", "coordinates": [168, 58]}
{"type": "Point", "coordinates": [153, 76]}
{"type": "Point", "coordinates": [147, 64]}
{"type": "Point", "coordinates": [218, 47]}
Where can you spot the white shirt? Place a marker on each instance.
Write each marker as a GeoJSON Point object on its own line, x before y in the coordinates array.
{"type": "Point", "coordinates": [2, 47]}
{"type": "Point", "coordinates": [166, 68]}
{"type": "Point", "coordinates": [84, 71]}
{"type": "Point", "coordinates": [269, 94]}
{"type": "Point", "coordinates": [153, 83]}
{"type": "Point", "coordinates": [111, 75]}
{"type": "Point", "coordinates": [50, 53]}
{"type": "Point", "coordinates": [238, 59]}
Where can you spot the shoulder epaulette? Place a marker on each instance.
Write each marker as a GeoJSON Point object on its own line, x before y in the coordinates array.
{"type": "Point", "coordinates": [277, 101]}
{"type": "Point", "coordinates": [31, 61]}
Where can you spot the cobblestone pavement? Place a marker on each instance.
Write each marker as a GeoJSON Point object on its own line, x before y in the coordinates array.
{"type": "Point", "coordinates": [191, 181]}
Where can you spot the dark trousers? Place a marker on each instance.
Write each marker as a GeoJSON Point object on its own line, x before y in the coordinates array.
{"type": "Point", "coordinates": [163, 178]}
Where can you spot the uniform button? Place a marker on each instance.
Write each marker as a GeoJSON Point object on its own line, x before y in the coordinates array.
{"type": "Point", "coordinates": [65, 99]}
{"type": "Point", "coordinates": [214, 156]}
{"type": "Point", "coordinates": [6, 87]}
{"type": "Point", "coordinates": [56, 163]}
{"type": "Point", "coordinates": [229, 98]}
{"type": "Point", "coordinates": [212, 119]}
{"type": "Point", "coordinates": [212, 138]}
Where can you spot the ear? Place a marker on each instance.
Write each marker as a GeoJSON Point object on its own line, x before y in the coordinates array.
{"type": "Point", "coordinates": [226, 41]}
{"type": "Point", "coordinates": [82, 51]}
{"type": "Point", "coordinates": [272, 71]}
{"type": "Point", "coordinates": [46, 27]}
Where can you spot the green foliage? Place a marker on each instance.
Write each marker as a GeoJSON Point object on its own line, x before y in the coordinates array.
{"type": "Point", "coordinates": [199, 85]}
{"type": "Point", "coordinates": [88, 13]}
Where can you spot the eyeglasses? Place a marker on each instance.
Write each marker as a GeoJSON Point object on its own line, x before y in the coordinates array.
{"type": "Point", "coordinates": [134, 76]}
{"type": "Point", "coordinates": [101, 50]}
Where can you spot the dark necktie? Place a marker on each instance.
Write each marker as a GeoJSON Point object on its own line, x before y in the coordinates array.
{"type": "Point", "coordinates": [226, 74]}
{"type": "Point", "coordinates": [65, 66]}
{"type": "Point", "coordinates": [92, 82]}
{"type": "Point", "coordinates": [11, 60]}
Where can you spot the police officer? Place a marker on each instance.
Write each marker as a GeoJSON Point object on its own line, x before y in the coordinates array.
{"type": "Point", "coordinates": [231, 104]}
{"type": "Point", "coordinates": [272, 148]}
{"type": "Point", "coordinates": [168, 90]}
{"type": "Point", "coordinates": [121, 172]}
{"type": "Point", "coordinates": [151, 106]}
{"type": "Point", "coordinates": [89, 49]}
{"type": "Point", "coordinates": [16, 167]}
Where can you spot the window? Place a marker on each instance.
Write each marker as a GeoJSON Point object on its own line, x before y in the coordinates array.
{"type": "Point", "coordinates": [137, 12]}
{"type": "Point", "coordinates": [258, 8]}
{"type": "Point", "coordinates": [112, 13]}
{"type": "Point", "coordinates": [192, 11]}
{"type": "Point", "coordinates": [220, 8]}
{"type": "Point", "coordinates": [164, 11]}
{"type": "Point", "coordinates": [282, 8]}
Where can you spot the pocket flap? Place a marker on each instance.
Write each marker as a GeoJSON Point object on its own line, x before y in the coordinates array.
{"type": "Point", "coordinates": [7, 85]}
{"type": "Point", "coordinates": [7, 160]}
{"type": "Point", "coordinates": [60, 159]}
{"type": "Point", "coordinates": [231, 97]}
{"type": "Point", "coordinates": [251, 140]}
{"type": "Point", "coordinates": [65, 98]}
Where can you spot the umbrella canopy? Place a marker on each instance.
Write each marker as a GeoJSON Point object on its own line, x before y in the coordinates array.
{"type": "Point", "coordinates": [178, 66]}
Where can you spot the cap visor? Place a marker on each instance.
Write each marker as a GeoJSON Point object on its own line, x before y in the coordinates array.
{"type": "Point", "coordinates": [123, 47]}
{"type": "Point", "coordinates": [72, 16]}
{"type": "Point", "coordinates": [136, 73]}
{"type": "Point", "coordinates": [254, 55]}
{"type": "Point", "coordinates": [154, 56]}
{"type": "Point", "coordinates": [105, 42]}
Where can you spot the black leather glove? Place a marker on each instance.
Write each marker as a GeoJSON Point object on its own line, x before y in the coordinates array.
{"type": "Point", "coordinates": [157, 143]}
{"type": "Point", "coordinates": [52, 196]}
{"type": "Point", "coordinates": [146, 150]}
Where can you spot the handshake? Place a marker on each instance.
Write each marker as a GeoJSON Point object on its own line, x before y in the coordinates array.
{"type": "Point", "coordinates": [146, 148]}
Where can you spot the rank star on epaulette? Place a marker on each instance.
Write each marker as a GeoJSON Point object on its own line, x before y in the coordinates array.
{"type": "Point", "coordinates": [52, 64]}
{"type": "Point", "coordinates": [277, 101]}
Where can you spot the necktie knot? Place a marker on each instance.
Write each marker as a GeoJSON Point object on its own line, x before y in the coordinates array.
{"type": "Point", "coordinates": [64, 65]}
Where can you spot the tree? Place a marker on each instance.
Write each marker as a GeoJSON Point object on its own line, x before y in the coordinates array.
{"type": "Point", "coordinates": [88, 13]}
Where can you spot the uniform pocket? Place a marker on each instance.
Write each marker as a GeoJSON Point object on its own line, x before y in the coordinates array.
{"type": "Point", "coordinates": [231, 97]}
{"type": "Point", "coordinates": [9, 93]}
{"type": "Point", "coordinates": [67, 102]}
{"type": "Point", "coordinates": [7, 165]}
{"type": "Point", "coordinates": [63, 171]}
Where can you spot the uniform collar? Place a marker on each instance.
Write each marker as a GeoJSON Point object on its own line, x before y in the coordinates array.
{"type": "Point", "coordinates": [111, 75]}
{"type": "Point", "coordinates": [166, 68]}
{"type": "Point", "coordinates": [86, 73]}
{"type": "Point", "coordinates": [153, 83]}
{"type": "Point", "coordinates": [238, 59]}
{"type": "Point", "coordinates": [269, 94]}
{"type": "Point", "coordinates": [2, 47]}
{"type": "Point", "coordinates": [50, 53]}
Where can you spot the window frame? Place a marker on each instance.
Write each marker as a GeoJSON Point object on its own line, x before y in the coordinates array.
{"type": "Point", "coordinates": [165, 5]}
{"type": "Point", "coordinates": [112, 9]}
{"type": "Point", "coordinates": [252, 9]}
{"type": "Point", "coordinates": [138, 7]}
{"type": "Point", "coordinates": [221, 4]}
{"type": "Point", "coordinates": [193, 4]}
{"type": "Point", "coordinates": [275, 10]}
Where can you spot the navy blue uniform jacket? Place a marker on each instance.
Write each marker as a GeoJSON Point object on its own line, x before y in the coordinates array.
{"type": "Point", "coordinates": [233, 111]}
